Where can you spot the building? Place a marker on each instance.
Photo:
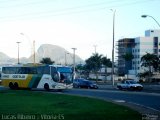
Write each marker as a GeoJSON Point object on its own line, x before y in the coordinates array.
{"type": "Point", "coordinates": [125, 47]}
{"type": "Point", "coordinates": [138, 47]}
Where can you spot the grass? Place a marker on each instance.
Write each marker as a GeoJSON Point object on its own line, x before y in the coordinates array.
{"type": "Point", "coordinates": [42, 105]}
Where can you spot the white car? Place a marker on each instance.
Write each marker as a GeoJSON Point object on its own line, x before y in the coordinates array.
{"type": "Point", "coordinates": [130, 85]}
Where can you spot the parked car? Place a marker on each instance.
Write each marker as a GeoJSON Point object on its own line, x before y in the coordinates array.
{"type": "Point", "coordinates": [129, 85]}
{"type": "Point", "coordinates": [83, 83]}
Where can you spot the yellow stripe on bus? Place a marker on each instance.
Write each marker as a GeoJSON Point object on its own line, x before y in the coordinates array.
{"type": "Point", "coordinates": [21, 82]}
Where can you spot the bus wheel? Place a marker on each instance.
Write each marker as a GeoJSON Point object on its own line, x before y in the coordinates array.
{"type": "Point", "coordinates": [16, 86]}
{"type": "Point", "coordinates": [11, 86]}
{"type": "Point", "coordinates": [46, 86]}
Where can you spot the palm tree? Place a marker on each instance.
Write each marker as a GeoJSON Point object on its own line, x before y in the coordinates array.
{"type": "Point", "coordinates": [128, 56]}
{"type": "Point", "coordinates": [128, 60]}
{"type": "Point", "coordinates": [94, 63]}
{"type": "Point", "coordinates": [150, 60]}
{"type": "Point", "coordinates": [107, 63]}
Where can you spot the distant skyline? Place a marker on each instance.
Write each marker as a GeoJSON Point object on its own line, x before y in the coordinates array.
{"type": "Point", "coordinates": [81, 24]}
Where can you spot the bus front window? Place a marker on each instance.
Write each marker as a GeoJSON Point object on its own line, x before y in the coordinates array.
{"type": "Point", "coordinates": [66, 78]}
{"type": "Point", "coordinates": [62, 74]}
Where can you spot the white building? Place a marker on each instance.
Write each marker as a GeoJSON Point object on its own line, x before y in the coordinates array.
{"type": "Point", "coordinates": [148, 44]}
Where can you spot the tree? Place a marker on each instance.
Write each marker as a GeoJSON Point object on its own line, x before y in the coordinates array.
{"type": "Point", "coordinates": [47, 61]}
{"type": "Point", "coordinates": [94, 63]}
{"type": "Point", "coordinates": [142, 75]}
{"type": "Point", "coordinates": [150, 60]}
{"type": "Point", "coordinates": [107, 63]}
{"type": "Point", "coordinates": [128, 56]}
{"type": "Point", "coordinates": [128, 60]}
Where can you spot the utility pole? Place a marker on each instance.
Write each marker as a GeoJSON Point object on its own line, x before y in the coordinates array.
{"type": "Point", "coordinates": [18, 51]}
{"type": "Point", "coordinates": [95, 48]}
{"type": "Point", "coordinates": [112, 77]}
{"type": "Point", "coordinates": [34, 55]}
{"type": "Point", "coordinates": [74, 49]}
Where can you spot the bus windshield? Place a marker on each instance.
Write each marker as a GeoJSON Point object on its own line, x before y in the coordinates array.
{"type": "Point", "coordinates": [64, 69]}
{"type": "Point", "coordinates": [65, 74]}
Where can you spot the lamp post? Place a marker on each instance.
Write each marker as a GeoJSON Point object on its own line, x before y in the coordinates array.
{"type": "Point", "coordinates": [112, 76]}
{"type": "Point", "coordinates": [95, 48]}
{"type": "Point", "coordinates": [144, 16]}
{"type": "Point", "coordinates": [74, 49]}
{"type": "Point", "coordinates": [34, 55]}
{"type": "Point", "coordinates": [65, 55]}
{"type": "Point", "coordinates": [18, 51]}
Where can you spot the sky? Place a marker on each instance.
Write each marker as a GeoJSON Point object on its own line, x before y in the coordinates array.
{"type": "Point", "coordinates": [83, 24]}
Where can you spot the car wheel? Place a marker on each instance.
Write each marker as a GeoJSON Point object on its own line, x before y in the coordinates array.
{"type": "Point", "coordinates": [88, 87]}
{"type": "Point", "coordinates": [131, 88]}
{"type": "Point", "coordinates": [46, 86]}
{"type": "Point", "coordinates": [140, 88]}
{"type": "Point", "coordinates": [119, 87]}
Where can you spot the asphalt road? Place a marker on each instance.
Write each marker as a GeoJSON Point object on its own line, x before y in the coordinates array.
{"type": "Point", "coordinates": [147, 100]}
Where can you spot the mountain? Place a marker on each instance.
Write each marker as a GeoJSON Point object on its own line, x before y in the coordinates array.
{"type": "Point", "coordinates": [56, 53]}
{"type": "Point", "coordinates": [4, 59]}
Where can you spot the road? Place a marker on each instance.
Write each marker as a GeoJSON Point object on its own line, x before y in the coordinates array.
{"type": "Point", "coordinates": [141, 99]}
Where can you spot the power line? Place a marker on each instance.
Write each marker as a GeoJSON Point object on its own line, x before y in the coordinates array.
{"type": "Point", "coordinates": [39, 2]}
{"type": "Point", "coordinates": [24, 4]}
{"type": "Point", "coordinates": [74, 10]}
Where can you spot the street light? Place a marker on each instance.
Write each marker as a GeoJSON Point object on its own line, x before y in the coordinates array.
{"type": "Point", "coordinates": [144, 16]}
{"type": "Point", "coordinates": [74, 49]}
{"type": "Point", "coordinates": [65, 55]}
{"type": "Point", "coordinates": [18, 51]}
{"type": "Point", "coordinates": [95, 48]}
{"type": "Point", "coordinates": [112, 76]}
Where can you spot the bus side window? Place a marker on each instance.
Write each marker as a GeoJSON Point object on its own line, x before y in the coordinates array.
{"type": "Point", "coordinates": [33, 70]}
{"type": "Point", "coordinates": [20, 70]}
{"type": "Point", "coordinates": [46, 70]}
{"type": "Point", "coordinates": [40, 70]}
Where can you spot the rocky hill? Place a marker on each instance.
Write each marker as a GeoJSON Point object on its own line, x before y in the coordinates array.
{"type": "Point", "coordinates": [56, 53]}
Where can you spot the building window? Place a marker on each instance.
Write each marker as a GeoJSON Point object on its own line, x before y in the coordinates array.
{"type": "Point", "coordinates": [135, 56]}
{"type": "Point", "coordinates": [155, 41]}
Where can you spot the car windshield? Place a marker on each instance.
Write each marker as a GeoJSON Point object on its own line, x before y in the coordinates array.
{"type": "Point", "coordinates": [88, 82]}
{"type": "Point", "coordinates": [132, 82]}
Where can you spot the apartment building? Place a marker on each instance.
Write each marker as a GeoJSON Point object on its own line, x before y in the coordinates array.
{"type": "Point", "coordinates": [150, 43]}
